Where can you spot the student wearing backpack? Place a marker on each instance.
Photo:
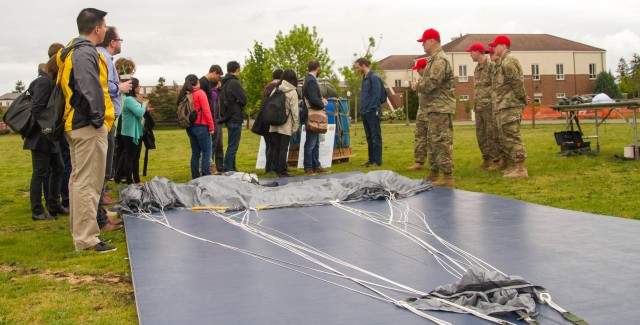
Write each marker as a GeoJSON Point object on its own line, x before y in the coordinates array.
{"type": "Point", "coordinates": [202, 128]}
{"type": "Point", "coordinates": [280, 136]}
{"type": "Point", "coordinates": [371, 110]}
{"type": "Point", "coordinates": [46, 160]}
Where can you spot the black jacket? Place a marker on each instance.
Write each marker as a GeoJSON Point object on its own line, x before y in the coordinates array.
{"type": "Point", "coordinates": [40, 90]}
{"type": "Point", "coordinates": [236, 98]}
{"type": "Point", "coordinates": [311, 91]}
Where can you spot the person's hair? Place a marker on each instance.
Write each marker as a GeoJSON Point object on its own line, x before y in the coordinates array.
{"type": "Point", "coordinates": [215, 68]}
{"type": "Point", "coordinates": [134, 84]}
{"type": "Point", "coordinates": [189, 82]}
{"type": "Point", "coordinates": [363, 61]}
{"type": "Point", "coordinates": [277, 74]}
{"type": "Point", "coordinates": [125, 66]}
{"type": "Point", "coordinates": [88, 19]}
{"type": "Point", "coordinates": [51, 67]}
{"type": "Point", "coordinates": [233, 66]}
{"type": "Point", "coordinates": [53, 49]}
{"type": "Point", "coordinates": [290, 76]}
{"type": "Point", "coordinates": [313, 65]}
{"type": "Point", "coordinates": [109, 36]}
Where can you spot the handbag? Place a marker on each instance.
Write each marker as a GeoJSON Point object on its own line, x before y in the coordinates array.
{"type": "Point", "coordinates": [18, 116]}
{"type": "Point", "coordinates": [317, 121]}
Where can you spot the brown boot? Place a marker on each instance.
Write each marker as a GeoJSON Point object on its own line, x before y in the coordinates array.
{"type": "Point", "coordinates": [446, 180]}
{"type": "Point", "coordinates": [494, 165]}
{"type": "Point", "coordinates": [518, 171]}
{"type": "Point", "coordinates": [416, 166]}
{"type": "Point", "coordinates": [485, 164]}
{"type": "Point", "coordinates": [433, 176]}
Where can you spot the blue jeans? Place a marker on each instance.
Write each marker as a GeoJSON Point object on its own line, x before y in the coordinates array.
{"type": "Point", "coordinates": [234, 131]}
{"type": "Point", "coordinates": [371, 123]}
{"type": "Point", "coordinates": [312, 151]}
{"type": "Point", "coordinates": [200, 140]}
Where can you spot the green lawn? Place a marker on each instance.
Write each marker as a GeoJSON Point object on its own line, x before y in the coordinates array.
{"type": "Point", "coordinates": [43, 280]}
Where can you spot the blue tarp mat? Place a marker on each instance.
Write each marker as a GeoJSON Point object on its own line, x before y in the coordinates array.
{"type": "Point", "coordinates": [589, 263]}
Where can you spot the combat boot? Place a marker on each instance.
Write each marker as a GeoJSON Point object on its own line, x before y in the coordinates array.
{"type": "Point", "coordinates": [416, 166]}
{"type": "Point", "coordinates": [494, 165]}
{"type": "Point", "coordinates": [485, 164]}
{"type": "Point", "coordinates": [433, 176]}
{"type": "Point", "coordinates": [518, 171]}
{"type": "Point", "coordinates": [503, 164]}
{"type": "Point", "coordinates": [446, 180]}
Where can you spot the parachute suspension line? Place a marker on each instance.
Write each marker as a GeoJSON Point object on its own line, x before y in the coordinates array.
{"type": "Point", "coordinates": [303, 250]}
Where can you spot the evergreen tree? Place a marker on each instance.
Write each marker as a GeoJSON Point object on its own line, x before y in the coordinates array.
{"type": "Point", "coordinates": [606, 83]}
{"type": "Point", "coordinates": [623, 70]}
{"type": "Point", "coordinates": [20, 87]}
{"type": "Point", "coordinates": [163, 99]}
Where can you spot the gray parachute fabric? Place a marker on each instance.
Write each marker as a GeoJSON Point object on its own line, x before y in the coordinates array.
{"type": "Point", "coordinates": [487, 292]}
{"type": "Point", "coordinates": [233, 194]}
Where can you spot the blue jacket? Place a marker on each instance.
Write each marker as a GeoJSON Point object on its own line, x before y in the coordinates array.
{"type": "Point", "coordinates": [371, 93]}
{"type": "Point", "coordinates": [311, 91]}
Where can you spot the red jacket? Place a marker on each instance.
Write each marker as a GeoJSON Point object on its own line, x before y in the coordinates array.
{"type": "Point", "coordinates": [201, 105]}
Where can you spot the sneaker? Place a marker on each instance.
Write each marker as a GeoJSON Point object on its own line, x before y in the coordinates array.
{"type": "Point", "coordinates": [282, 175]}
{"type": "Point", "coordinates": [309, 172]}
{"type": "Point", "coordinates": [320, 170]}
{"type": "Point", "coordinates": [107, 200]}
{"type": "Point", "coordinates": [104, 239]}
{"type": "Point", "coordinates": [43, 216]}
{"type": "Point", "coordinates": [111, 227]}
{"type": "Point", "coordinates": [367, 164]}
{"type": "Point", "coordinates": [101, 248]}
{"type": "Point", "coordinates": [62, 211]}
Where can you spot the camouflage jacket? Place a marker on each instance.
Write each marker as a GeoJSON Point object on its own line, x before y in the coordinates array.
{"type": "Point", "coordinates": [508, 84]}
{"type": "Point", "coordinates": [422, 102]}
{"type": "Point", "coordinates": [437, 85]}
{"type": "Point", "coordinates": [482, 97]}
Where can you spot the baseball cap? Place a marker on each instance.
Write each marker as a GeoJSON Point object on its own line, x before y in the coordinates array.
{"type": "Point", "coordinates": [477, 46]}
{"type": "Point", "coordinates": [420, 64]}
{"type": "Point", "coordinates": [489, 51]}
{"type": "Point", "coordinates": [501, 40]}
{"type": "Point", "coordinates": [429, 34]}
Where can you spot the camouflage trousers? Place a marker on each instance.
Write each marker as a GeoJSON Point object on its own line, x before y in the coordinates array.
{"type": "Point", "coordinates": [440, 142]}
{"type": "Point", "coordinates": [421, 140]}
{"type": "Point", "coordinates": [512, 146]}
{"type": "Point", "coordinates": [487, 134]}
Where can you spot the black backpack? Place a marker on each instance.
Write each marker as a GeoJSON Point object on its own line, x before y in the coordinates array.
{"type": "Point", "coordinates": [275, 109]}
{"type": "Point", "coordinates": [221, 106]}
{"type": "Point", "coordinates": [19, 118]}
{"type": "Point", "coordinates": [383, 93]}
{"type": "Point", "coordinates": [187, 113]}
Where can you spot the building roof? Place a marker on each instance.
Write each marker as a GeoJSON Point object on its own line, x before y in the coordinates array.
{"type": "Point", "coordinates": [521, 43]}
{"type": "Point", "coordinates": [10, 96]}
{"type": "Point", "coordinates": [398, 62]}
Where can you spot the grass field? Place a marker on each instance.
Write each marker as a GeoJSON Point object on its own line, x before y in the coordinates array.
{"type": "Point", "coordinates": [44, 281]}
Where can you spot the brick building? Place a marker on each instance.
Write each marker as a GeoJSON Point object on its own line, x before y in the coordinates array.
{"type": "Point", "coordinates": [553, 67]}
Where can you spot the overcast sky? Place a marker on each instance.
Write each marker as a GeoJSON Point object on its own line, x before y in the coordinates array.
{"type": "Point", "coordinates": [174, 38]}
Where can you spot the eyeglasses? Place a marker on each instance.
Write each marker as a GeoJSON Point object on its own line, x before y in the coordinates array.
{"type": "Point", "coordinates": [118, 40]}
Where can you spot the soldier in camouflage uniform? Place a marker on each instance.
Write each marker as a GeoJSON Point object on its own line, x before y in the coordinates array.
{"type": "Point", "coordinates": [437, 87]}
{"type": "Point", "coordinates": [486, 129]}
{"type": "Point", "coordinates": [509, 101]}
{"type": "Point", "coordinates": [421, 138]}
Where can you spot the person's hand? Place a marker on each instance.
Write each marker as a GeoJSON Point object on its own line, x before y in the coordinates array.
{"type": "Point", "coordinates": [325, 101]}
{"type": "Point", "coordinates": [125, 86]}
{"type": "Point", "coordinates": [211, 132]}
{"type": "Point", "coordinates": [413, 85]}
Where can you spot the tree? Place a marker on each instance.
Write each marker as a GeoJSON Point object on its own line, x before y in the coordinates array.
{"type": "Point", "coordinates": [20, 87]}
{"type": "Point", "coordinates": [296, 49]}
{"type": "Point", "coordinates": [352, 79]}
{"type": "Point", "coordinates": [163, 99]}
{"type": "Point", "coordinates": [606, 83]}
{"type": "Point", "coordinates": [623, 70]}
{"type": "Point", "coordinates": [256, 73]}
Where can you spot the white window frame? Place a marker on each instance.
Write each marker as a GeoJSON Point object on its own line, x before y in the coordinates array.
{"type": "Point", "coordinates": [592, 71]}
{"type": "Point", "coordinates": [535, 71]}
{"type": "Point", "coordinates": [559, 71]}
{"type": "Point", "coordinates": [462, 73]}
{"type": "Point", "coordinates": [561, 95]}
{"type": "Point", "coordinates": [463, 98]}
